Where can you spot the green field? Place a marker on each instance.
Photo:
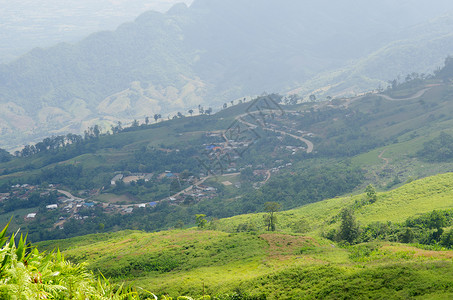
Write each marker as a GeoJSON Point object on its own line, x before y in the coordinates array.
{"type": "Point", "coordinates": [283, 264]}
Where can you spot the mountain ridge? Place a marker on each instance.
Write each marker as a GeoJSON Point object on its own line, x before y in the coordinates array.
{"type": "Point", "coordinates": [205, 54]}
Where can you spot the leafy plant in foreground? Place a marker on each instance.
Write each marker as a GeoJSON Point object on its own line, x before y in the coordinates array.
{"type": "Point", "coordinates": [27, 274]}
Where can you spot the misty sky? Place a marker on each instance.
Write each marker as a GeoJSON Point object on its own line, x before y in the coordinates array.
{"type": "Point", "coordinates": [25, 24]}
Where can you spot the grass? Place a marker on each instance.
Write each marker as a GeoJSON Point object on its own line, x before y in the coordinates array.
{"type": "Point", "coordinates": [283, 264]}
{"type": "Point", "coordinates": [412, 199]}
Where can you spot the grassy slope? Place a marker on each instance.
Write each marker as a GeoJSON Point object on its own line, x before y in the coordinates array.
{"type": "Point", "coordinates": [284, 264]}
{"type": "Point", "coordinates": [397, 205]}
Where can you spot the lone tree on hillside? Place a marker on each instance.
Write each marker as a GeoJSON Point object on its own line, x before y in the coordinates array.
{"type": "Point", "coordinates": [270, 219]}
{"type": "Point", "coordinates": [200, 220]}
{"type": "Point", "coordinates": [349, 230]}
{"type": "Point", "coordinates": [371, 193]}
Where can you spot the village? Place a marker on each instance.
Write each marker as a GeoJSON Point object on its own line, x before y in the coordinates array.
{"type": "Point", "coordinates": [220, 160]}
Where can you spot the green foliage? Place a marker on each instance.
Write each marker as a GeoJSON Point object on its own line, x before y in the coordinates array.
{"type": "Point", "coordinates": [200, 220]}
{"type": "Point", "coordinates": [300, 226]}
{"type": "Point", "coordinates": [349, 229]}
{"type": "Point", "coordinates": [371, 193]}
{"type": "Point", "coordinates": [391, 281]}
{"type": "Point", "coordinates": [5, 156]}
{"type": "Point", "coordinates": [270, 219]}
{"type": "Point", "coordinates": [439, 149]}
{"type": "Point", "coordinates": [27, 274]}
{"type": "Point", "coordinates": [446, 239]}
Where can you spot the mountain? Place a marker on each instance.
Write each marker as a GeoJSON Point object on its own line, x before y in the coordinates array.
{"type": "Point", "coordinates": [208, 54]}
{"type": "Point", "coordinates": [416, 49]}
{"type": "Point", "coordinates": [27, 24]}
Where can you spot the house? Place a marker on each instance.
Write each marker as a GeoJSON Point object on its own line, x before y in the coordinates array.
{"type": "Point", "coordinates": [128, 210]}
{"type": "Point", "coordinates": [52, 206]}
{"type": "Point", "coordinates": [152, 204]}
{"type": "Point", "coordinates": [117, 177]}
{"type": "Point", "coordinates": [31, 216]}
{"type": "Point", "coordinates": [148, 177]}
{"type": "Point", "coordinates": [142, 205]}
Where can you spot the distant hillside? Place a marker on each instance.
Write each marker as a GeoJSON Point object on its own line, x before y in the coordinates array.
{"type": "Point", "coordinates": [208, 54]}
{"type": "Point", "coordinates": [420, 48]}
{"type": "Point", "coordinates": [28, 24]}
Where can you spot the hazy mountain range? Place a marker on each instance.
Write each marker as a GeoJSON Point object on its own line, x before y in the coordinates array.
{"type": "Point", "coordinates": [216, 51]}
{"type": "Point", "coordinates": [27, 24]}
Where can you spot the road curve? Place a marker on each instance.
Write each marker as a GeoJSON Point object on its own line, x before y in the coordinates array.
{"type": "Point", "coordinates": [310, 145]}
{"type": "Point", "coordinates": [415, 96]}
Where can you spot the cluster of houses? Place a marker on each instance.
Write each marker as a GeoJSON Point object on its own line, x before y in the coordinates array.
{"type": "Point", "coordinates": [195, 193]}
{"type": "Point", "coordinates": [70, 207]}
{"type": "Point", "coordinates": [128, 178]}
{"type": "Point", "coordinates": [19, 191]}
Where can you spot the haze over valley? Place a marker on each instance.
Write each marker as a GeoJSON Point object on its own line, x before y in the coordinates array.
{"type": "Point", "coordinates": [227, 150]}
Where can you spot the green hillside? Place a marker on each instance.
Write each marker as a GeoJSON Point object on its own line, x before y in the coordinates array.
{"type": "Point", "coordinates": [254, 151]}
{"type": "Point", "coordinates": [410, 200]}
{"type": "Point", "coordinates": [285, 264]}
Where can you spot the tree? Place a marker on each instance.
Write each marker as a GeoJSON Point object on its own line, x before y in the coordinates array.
{"type": "Point", "coordinates": [447, 239]}
{"type": "Point", "coordinates": [95, 132]}
{"type": "Point", "coordinates": [190, 112]}
{"type": "Point", "coordinates": [200, 220]}
{"type": "Point", "coordinates": [225, 105]}
{"type": "Point", "coordinates": [349, 230]}
{"type": "Point", "coordinates": [175, 185]}
{"type": "Point", "coordinates": [312, 98]}
{"type": "Point", "coordinates": [292, 99]}
{"type": "Point", "coordinates": [157, 117]}
{"type": "Point", "coordinates": [147, 120]}
{"type": "Point", "coordinates": [371, 193]}
{"type": "Point", "coordinates": [5, 156]}
{"type": "Point", "coordinates": [270, 219]}
{"type": "Point", "coordinates": [179, 224]}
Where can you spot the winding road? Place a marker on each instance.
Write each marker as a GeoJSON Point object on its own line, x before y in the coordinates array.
{"type": "Point", "coordinates": [386, 97]}
{"type": "Point", "coordinates": [415, 96]}
{"type": "Point", "coordinates": [310, 145]}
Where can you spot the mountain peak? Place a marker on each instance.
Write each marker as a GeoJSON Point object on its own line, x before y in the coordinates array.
{"type": "Point", "coordinates": [178, 9]}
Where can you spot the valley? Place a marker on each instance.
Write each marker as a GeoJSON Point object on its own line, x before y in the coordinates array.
{"type": "Point", "coordinates": [226, 150]}
{"type": "Point", "coordinates": [268, 198]}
